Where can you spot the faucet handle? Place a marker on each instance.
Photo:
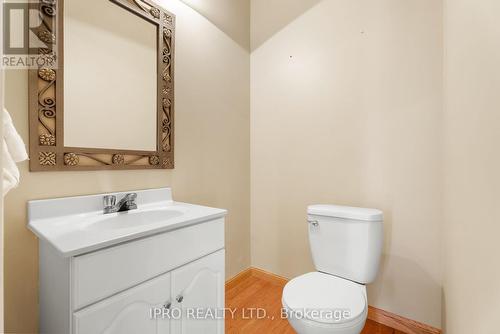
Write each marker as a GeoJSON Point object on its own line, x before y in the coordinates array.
{"type": "Point", "coordinates": [109, 201]}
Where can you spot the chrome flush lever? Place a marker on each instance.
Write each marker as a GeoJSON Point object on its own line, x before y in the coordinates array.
{"type": "Point", "coordinates": [314, 223]}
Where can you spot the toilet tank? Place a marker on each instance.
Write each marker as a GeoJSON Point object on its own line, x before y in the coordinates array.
{"type": "Point", "coordinates": [346, 241]}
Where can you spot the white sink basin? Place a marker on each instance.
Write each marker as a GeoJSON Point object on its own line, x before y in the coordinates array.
{"type": "Point", "coordinates": [132, 219]}
{"type": "Point", "coordinates": [77, 225]}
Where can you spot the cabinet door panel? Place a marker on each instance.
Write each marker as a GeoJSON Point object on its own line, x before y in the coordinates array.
{"type": "Point", "coordinates": [128, 312]}
{"type": "Point", "coordinates": [199, 287]}
{"type": "Point", "coordinates": [94, 278]}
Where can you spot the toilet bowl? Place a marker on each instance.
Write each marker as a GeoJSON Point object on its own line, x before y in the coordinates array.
{"type": "Point", "coordinates": [318, 303]}
{"type": "Point", "coordinates": [346, 244]}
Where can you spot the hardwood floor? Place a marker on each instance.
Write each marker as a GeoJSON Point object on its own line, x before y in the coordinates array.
{"type": "Point", "coordinates": [257, 293]}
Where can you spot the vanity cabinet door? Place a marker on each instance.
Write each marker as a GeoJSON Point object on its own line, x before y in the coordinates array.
{"type": "Point", "coordinates": [198, 290]}
{"type": "Point", "coordinates": [128, 312]}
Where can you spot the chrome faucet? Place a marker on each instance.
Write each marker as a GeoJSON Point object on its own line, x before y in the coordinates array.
{"type": "Point", "coordinates": [127, 203]}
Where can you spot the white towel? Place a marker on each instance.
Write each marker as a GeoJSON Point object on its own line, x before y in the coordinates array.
{"type": "Point", "coordinates": [14, 151]}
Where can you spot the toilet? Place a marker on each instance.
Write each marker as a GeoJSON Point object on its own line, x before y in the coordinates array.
{"type": "Point", "coordinates": [346, 245]}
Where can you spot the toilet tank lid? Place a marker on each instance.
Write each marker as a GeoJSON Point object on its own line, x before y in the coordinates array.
{"type": "Point", "coordinates": [346, 212]}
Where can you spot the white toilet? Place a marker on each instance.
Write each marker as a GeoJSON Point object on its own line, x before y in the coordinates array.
{"type": "Point", "coordinates": [346, 244]}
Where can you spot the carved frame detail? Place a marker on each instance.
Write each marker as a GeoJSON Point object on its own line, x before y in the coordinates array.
{"type": "Point", "coordinates": [47, 150]}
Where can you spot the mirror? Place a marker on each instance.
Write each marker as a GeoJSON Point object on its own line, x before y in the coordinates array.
{"type": "Point", "coordinates": [109, 102]}
{"type": "Point", "coordinates": [112, 92]}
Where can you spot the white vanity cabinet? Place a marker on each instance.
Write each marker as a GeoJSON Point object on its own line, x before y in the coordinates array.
{"type": "Point", "coordinates": [158, 269]}
{"type": "Point", "coordinates": [117, 290]}
{"type": "Point", "coordinates": [195, 286]}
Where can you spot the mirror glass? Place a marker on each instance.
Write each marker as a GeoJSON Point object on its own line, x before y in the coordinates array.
{"type": "Point", "coordinates": [110, 77]}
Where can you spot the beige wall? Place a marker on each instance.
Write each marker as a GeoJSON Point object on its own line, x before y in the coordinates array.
{"type": "Point", "coordinates": [212, 157]}
{"type": "Point", "coordinates": [472, 165]}
{"type": "Point", "coordinates": [270, 16]}
{"type": "Point", "coordinates": [346, 107]}
{"type": "Point", "coordinates": [231, 16]}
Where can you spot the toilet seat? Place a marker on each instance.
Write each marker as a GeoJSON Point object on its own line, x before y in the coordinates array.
{"type": "Point", "coordinates": [322, 299]}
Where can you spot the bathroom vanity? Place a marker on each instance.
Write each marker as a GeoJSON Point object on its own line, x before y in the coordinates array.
{"type": "Point", "coordinates": [113, 273]}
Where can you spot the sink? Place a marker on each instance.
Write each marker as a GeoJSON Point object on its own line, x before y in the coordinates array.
{"type": "Point", "coordinates": [78, 225]}
{"type": "Point", "coordinates": [111, 272]}
{"type": "Point", "coordinates": [132, 219]}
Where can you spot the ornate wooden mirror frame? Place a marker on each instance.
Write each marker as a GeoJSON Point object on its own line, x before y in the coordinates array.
{"type": "Point", "coordinates": [47, 150]}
